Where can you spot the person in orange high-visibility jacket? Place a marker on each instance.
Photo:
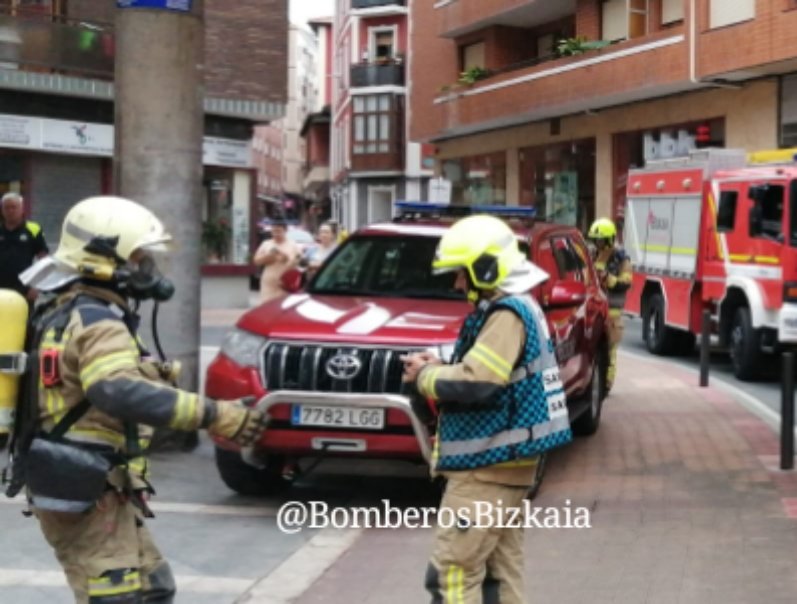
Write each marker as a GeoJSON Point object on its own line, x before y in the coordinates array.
{"type": "Point", "coordinates": [614, 267]}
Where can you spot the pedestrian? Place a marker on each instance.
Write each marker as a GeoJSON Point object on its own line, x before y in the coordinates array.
{"type": "Point", "coordinates": [614, 270]}
{"type": "Point", "coordinates": [501, 403]}
{"type": "Point", "coordinates": [276, 255]}
{"type": "Point", "coordinates": [327, 242]}
{"type": "Point", "coordinates": [21, 243]}
{"type": "Point", "coordinates": [96, 400]}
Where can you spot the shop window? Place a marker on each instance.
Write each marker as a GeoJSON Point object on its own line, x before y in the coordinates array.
{"type": "Point", "coordinates": [722, 12]}
{"type": "Point", "coordinates": [225, 216]}
{"type": "Point", "coordinates": [479, 179]}
{"type": "Point", "coordinates": [559, 181]}
{"type": "Point", "coordinates": [726, 215]}
{"type": "Point", "coordinates": [472, 56]}
{"type": "Point", "coordinates": [788, 111]}
{"type": "Point", "coordinates": [372, 118]}
{"type": "Point", "coordinates": [623, 19]}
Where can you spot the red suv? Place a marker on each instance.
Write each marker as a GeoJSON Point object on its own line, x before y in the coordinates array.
{"type": "Point", "coordinates": [324, 361]}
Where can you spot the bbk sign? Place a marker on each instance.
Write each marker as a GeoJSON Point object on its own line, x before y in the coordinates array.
{"type": "Point", "coordinates": [666, 144]}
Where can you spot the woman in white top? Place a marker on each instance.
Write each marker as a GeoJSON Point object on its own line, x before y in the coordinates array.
{"type": "Point", "coordinates": [327, 242]}
{"type": "Point", "coordinates": [276, 255]}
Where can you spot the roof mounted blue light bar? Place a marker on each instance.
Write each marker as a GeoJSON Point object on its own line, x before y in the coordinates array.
{"type": "Point", "coordinates": [444, 209]}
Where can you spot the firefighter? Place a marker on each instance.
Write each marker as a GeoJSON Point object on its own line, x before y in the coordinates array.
{"type": "Point", "coordinates": [614, 269]}
{"type": "Point", "coordinates": [85, 480]}
{"type": "Point", "coordinates": [501, 404]}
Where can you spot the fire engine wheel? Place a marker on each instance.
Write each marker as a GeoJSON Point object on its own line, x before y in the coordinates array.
{"type": "Point", "coordinates": [248, 480]}
{"type": "Point", "coordinates": [659, 338]}
{"type": "Point", "coordinates": [745, 346]}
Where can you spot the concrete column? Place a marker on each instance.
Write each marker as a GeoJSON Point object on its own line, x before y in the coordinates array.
{"type": "Point", "coordinates": [158, 153]}
{"type": "Point", "coordinates": [604, 186]}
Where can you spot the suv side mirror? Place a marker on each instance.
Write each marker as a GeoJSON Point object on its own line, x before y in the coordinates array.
{"type": "Point", "coordinates": [567, 293]}
{"type": "Point", "coordinates": [291, 280]}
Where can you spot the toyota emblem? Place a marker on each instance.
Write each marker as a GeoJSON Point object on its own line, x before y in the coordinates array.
{"type": "Point", "coordinates": [344, 366]}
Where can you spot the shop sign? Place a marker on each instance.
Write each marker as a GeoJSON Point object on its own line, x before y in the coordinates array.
{"type": "Point", "coordinates": [226, 152]}
{"type": "Point", "coordinates": [80, 138]}
{"type": "Point", "coordinates": [19, 132]}
{"type": "Point", "coordinates": [666, 145]}
{"type": "Point", "coordinates": [97, 140]}
{"type": "Point", "coordinates": [180, 6]}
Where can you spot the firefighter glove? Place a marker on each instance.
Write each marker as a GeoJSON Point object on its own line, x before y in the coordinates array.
{"type": "Point", "coordinates": [235, 421]}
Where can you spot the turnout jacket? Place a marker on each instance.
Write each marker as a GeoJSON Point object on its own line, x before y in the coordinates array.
{"type": "Point", "coordinates": [504, 381]}
{"type": "Point", "coordinates": [100, 360]}
{"type": "Point", "coordinates": [615, 267]}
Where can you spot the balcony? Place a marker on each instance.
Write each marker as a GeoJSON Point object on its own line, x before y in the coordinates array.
{"type": "Point", "coordinates": [378, 8]}
{"type": "Point", "coordinates": [65, 47]}
{"type": "Point", "coordinates": [377, 74]}
{"type": "Point", "coordinates": [648, 67]}
{"type": "Point", "coordinates": [358, 4]}
{"type": "Point", "coordinates": [461, 17]}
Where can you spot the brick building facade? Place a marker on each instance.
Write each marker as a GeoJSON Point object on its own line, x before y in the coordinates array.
{"type": "Point", "coordinates": [56, 106]}
{"type": "Point", "coordinates": [544, 120]}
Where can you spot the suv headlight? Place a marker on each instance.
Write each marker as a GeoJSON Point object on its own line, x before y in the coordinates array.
{"type": "Point", "coordinates": [243, 347]}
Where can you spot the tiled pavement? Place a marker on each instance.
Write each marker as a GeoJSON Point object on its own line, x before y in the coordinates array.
{"type": "Point", "coordinates": [687, 507]}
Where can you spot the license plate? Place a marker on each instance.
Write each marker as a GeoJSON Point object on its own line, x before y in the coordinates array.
{"type": "Point", "coordinates": [338, 417]}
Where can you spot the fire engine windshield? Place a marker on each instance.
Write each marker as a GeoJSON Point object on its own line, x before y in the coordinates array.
{"type": "Point", "coordinates": [385, 266]}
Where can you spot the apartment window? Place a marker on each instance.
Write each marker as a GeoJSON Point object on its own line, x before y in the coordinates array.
{"type": "Point", "coordinates": [722, 12]}
{"type": "Point", "coordinates": [372, 117]}
{"type": "Point", "coordinates": [624, 19]}
{"type": "Point", "coordinates": [382, 43]}
{"type": "Point", "coordinates": [472, 56]}
{"type": "Point", "coordinates": [672, 11]}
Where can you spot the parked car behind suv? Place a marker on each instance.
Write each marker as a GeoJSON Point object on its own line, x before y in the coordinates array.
{"type": "Point", "coordinates": [328, 356]}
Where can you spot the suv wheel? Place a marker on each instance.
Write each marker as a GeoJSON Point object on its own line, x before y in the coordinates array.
{"type": "Point", "coordinates": [587, 423]}
{"type": "Point", "coordinates": [539, 474]}
{"type": "Point", "coordinates": [745, 343]}
{"type": "Point", "coordinates": [659, 338]}
{"type": "Point", "coordinates": [248, 480]}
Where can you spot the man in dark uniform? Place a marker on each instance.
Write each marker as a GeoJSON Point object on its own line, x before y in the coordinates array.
{"type": "Point", "coordinates": [21, 243]}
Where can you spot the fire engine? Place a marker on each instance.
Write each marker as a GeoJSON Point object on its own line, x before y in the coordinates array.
{"type": "Point", "coordinates": [716, 231]}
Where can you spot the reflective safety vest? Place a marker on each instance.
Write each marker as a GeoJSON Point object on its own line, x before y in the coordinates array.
{"type": "Point", "coordinates": [527, 417]}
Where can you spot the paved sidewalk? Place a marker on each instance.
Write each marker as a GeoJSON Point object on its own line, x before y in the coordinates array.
{"type": "Point", "coordinates": [687, 507]}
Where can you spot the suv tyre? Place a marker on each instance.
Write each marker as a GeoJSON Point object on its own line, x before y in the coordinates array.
{"type": "Point", "coordinates": [248, 480]}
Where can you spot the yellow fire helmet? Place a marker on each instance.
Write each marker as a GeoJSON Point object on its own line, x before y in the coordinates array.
{"type": "Point", "coordinates": [99, 234]}
{"type": "Point", "coordinates": [602, 228]}
{"type": "Point", "coordinates": [488, 250]}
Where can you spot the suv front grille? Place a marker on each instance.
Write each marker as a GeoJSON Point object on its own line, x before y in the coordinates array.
{"type": "Point", "coordinates": [304, 367]}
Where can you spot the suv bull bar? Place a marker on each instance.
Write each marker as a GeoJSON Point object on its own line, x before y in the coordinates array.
{"type": "Point", "coordinates": [343, 399]}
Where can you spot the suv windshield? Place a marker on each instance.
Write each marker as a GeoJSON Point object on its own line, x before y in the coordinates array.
{"type": "Point", "coordinates": [385, 266]}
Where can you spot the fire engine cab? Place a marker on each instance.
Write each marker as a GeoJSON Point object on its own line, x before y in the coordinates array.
{"type": "Point", "coordinates": [716, 230]}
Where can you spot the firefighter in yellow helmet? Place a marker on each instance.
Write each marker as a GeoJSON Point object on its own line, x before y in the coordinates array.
{"type": "Point", "coordinates": [95, 393]}
{"type": "Point", "coordinates": [614, 268]}
{"type": "Point", "coordinates": [501, 405]}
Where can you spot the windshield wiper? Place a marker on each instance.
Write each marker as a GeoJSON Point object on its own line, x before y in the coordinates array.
{"type": "Point", "coordinates": [429, 294]}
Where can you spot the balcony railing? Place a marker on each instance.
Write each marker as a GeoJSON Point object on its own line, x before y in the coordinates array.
{"type": "Point", "coordinates": [356, 4]}
{"type": "Point", "coordinates": [377, 74]}
{"type": "Point", "coordinates": [65, 46]}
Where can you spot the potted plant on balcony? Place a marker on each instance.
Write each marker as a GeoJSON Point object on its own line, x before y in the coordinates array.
{"type": "Point", "coordinates": [472, 75]}
{"type": "Point", "coordinates": [570, 47]}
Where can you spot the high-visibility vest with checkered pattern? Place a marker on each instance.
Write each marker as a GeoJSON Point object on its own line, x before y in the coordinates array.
{"type": "Point", "coordinates": [526, 417]}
